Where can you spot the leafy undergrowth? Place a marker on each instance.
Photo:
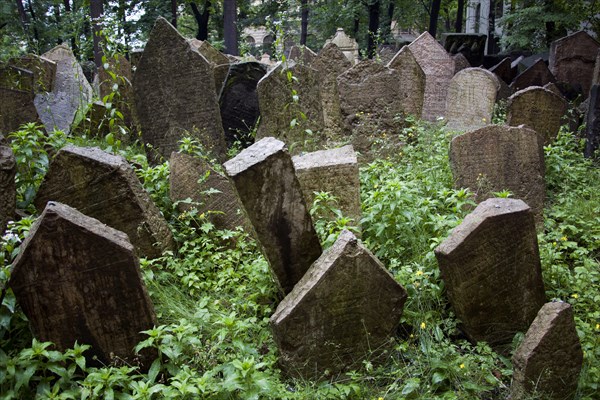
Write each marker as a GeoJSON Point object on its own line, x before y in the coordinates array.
{"type": "Point", "coordinates": [214, 295]}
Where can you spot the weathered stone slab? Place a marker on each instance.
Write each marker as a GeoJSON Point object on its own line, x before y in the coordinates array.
{"type": "Point", "coordinates": [78, 280]}
{"type": "Point", "coordinates": [572, 59]}
{"type": "Point", "coordinates": [175, 95]}
{"type": "Point", "coordinates": [411, 81]}
{"type": "Point", "coordinates": [346, 44]}
{"type": "Point", "coordinates": [265, 180]}
{"type": "Point", "coordinates": [16, 78]}
{"type": "Point", "coordinates": [239, 102]}
{"type": "Point", "coordinates": [460, 62]}
{"type": "Point", "coordinates": [536, 75]}
{"type": "Point", "coordinates": [491, 268]}
{"type": "Point", "coordinates": [549, 359]}
{"type": "Point", "coordinates": [8, 190]}
{"type": "Point", "coordinates": [438, 67]}
{"type": "Point", "coordinates": [496, 158]}
{"type": "Point", "coordinates": [334, 171]}
{"type": "Point", "coordinates": [592, 128]}
{"type": "Point", "coordinates": [16, 108]}
{"type": "Point", "coordinates": [471, 99]}
{"type": "Point", "coordinates": [596, 73]}
{"type": "Point", "coordinates": [43, 69]}
{"type": "Point", "coordinates": [538, 109]}
{"type": "Point", "coordinates": [105, 187]}
{"type": "Point", "coordinates": [302, 55]}
{"type": "Point", "coordinates": [71, 94]}
{"type": "Point", "coordinates": [219, 61]}
{"type": "Point", "coordinates": [331, 62]}
{"type": "Point", "coordinates": [279, 107]}
{"type": "Point", "coordinates": [211, 192]}
{"type": "Point", "coordinates": [118, 73]}
{"type": "Point", "coordinates": [503, 70]}
{"type": "Point", "coordinates": [344, 310]}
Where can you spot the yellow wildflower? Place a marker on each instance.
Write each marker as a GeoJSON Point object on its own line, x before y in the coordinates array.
{"type": "Point", "coordinates": [423, 325]}
{"type": "Point", "coordinates": [564, 238]}
{"type": "Point", "coordinates": [419, 273]}
{"type": "Point", "coordinates": [575, 296]}
{"type": "Point", "coordinates": [461, 366]}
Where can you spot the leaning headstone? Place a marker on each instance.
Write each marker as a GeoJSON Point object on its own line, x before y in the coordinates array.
{"type": "Point", "coordinates": [290, 106]}
{"type": "Point", "coordinates": [347, 45]}
{"type": "Point", "coordinates": [334, 171]}
{"type": "Point", "coordinates": [17, 99]}
{"type": "Point", "coordinates": [536, 75]}
{"type": "Point", "coordinates": [496, 158]}
{"type": "Point", "coordinates": [239, 102]}
{"type": "Point", "coordinates": [503, 70]}
{"type": "Point", "coordinates": [592, 128]}
{"type": "Point", "coordinates": [8, 190]}
{"type": "Point", "coordinates": [331, 62]}
{"type": "Point", "coordinates": [411, 80]}
{"type": "Point", "coordinates": [438, 67]}
{"type": "Point", "coordinates": [219, 61]}
{"type": "Point", "coordinates": [266, 183]}
{"type": "Point", "coordinates": [43, 69]}
{"type": "Point", "coordinates": [210, 192]}
{"type": "Point", "coordinates": [302, 55]}
{"type": "Point", "coordinates": [538, 109]}
{"type": "Point", "coordinates": [71, 93]}
{"type": "Point", "coordinates": [471, 99]}
{"type": "Point", "coordinates": [491, 269]}
{"type": "Point", "coordinates": [548, 361]}
{"type": "Point", "coordinates": [345, 309]}
{"type": "Point", "coordinates": [105, 187]}
{"type": "Point", "coordinates": [78, 280]}
{"type": "Point", "coordinates": [175, 95]}
{"type": "Point", "coordinates": [572, 59]}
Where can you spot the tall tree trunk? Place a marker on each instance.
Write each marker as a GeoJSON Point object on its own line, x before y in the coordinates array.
{"type": "Point", "coordinates": [304, 22]}
{"type": "Point", "coordinates": [97, 9]}
{"type": "Point", "coordinates": [174, 13]}
{"type": "Point", "coordinates": [373, 28]}
{"type": "Point", "coordinates": [458, 26]}
{"type": "Point", "coordinates": [390, 14]}
{"type": "Point", "coordinates": [33, 19]}
{"type": "Point", "coordinates": [230, 27]}
{"type": "Point", "coordinates": [123, 22]}
{"type": "Point", "coordinates": [201, 19]}
{"type": "Point", "coordinates": [433, 17]}
{"type": "Point", "coordinates": [356, 26]}
{"type": "Point", "coordinates": [23, 16]}
{"type": "Point", "coordinates": [491, 41]}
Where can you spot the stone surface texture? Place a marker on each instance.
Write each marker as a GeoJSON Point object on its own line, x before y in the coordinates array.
{"type": "Point", "coordinates": [219, 61]}
{"type": "Point", "coordinates": [302, 55]}
{"type": "Point", "coordinates": [43, 69]}
{"type": "Point", "coordinates": [491, 268]}
{"type": "Point", "coordinates": [78, 280]}
{"type": "Point", "coordinates": [503, 70]}
{"type": "Point", "coordinates": [536, 75]}
{"type": "Point", "coordinates": [347, 45]}
{"type": "Point", "coordinates": [8, 190]}
{"type": "Point", "coordinates": [549, 359]}
{"type": "Point", "coordinates": [268, 188]}
{"type": "Point", "coordinates": [105, 187]}
{"type": "Point", "coordinates": [343, 311]}
{"type": "Point", "coordinates": [411, 80]}
{"type": "Point", "coordinates": [460, 62]}
{"type": "Point", "coordinates": [592, 127]}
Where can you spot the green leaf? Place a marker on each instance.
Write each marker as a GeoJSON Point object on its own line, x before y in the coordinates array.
{"type": "Point", "coordinates": [154, 370]}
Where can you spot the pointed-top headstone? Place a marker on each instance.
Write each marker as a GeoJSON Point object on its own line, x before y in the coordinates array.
{"type": "Point", "coordinates": [536, 75]}
{"type": "Point", "coordinates": [503, 70]}
{"type": "Point", "coordinates": [302, 55]}
{"type": "Point", "coordinates": [411, 80]}
{"type": "Point", "coordinates": [346, 44]}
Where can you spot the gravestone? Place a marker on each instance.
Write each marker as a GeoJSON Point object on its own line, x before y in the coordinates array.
{"type": "Point", "coordinates": [43, 69]}
{"type": "Point", "coordinates": [302, 55]}
{"type": "Point", "coordinates": [71, 93]}
{"type": "Point", "coordinates": [239, 102]}
{"type": "Point", "coordinates": [471, 45]}
{"type": "Point", "coordinates": [346, 44]}
{"type": "Point", "coordinates": [471, 99]}
{"type": "Point", "coordinates": [536, 75]}
{"type": "Point", "coordinates": [96, 121]}
{"type": "Point", "coordinates": [8, 190]}
{"type": "Point", "coordinates": [120, 84]}
{"type": "Point", "coordinates": [503, 70]}
{"type": "Point", "coordinates": [496, 158]}
{"type": "Point", "coordinates": [592, 128]}
{"type": "Point", "coordinates": [175, 95]}
{"type": "Point", "coordinates": [460, 63]}
{"type": "Point", "coordinates": [288, 116]}
{"type": "Point", "coordinates": [210, 191]}
{"type": "Point", "coordinates": [334, 171]}
{"type": "Point", "coordinates": [491, 269]}
{"type": "Point", "coordinates": [538, 109]}
{"type": "Point", "coordinates": [549, 359]}
{"type": "Point", "coordinates": [345, 309]}
{"type": "Point", "coordinates": [572, 59]}
{"type": "Point", "coordinates": [264, 177]}
{"type": "Point", "coordinates": [438, 67]}
{"type": "Point", "coordinates": [17, 99]}
{"type": "Point", "coordinates": [331, 62]}
{"type": "Point", "coordinates": [78, 280]}
{"type": "Point", "coordinates": [105, 187]}
{"type": "Point", "coordinates": [219, 61]}
{"type": "Point", "coordinates": [596, 73]}
{"type": "Point", "coordinates": [411, 80]}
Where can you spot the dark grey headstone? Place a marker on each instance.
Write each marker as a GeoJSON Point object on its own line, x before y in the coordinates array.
{"type": "Point", "coordinates": [536, 75]}
{"type": "Point", "coordinates": [503, 70]}
{"type": "Point", "coordinates": [592, 129]}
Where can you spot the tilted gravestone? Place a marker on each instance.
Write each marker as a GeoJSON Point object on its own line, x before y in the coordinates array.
{"type": "Point", "coordinates": [572, 59]}
{"type": "Point", "coordinates": [503, 70]}
{"type": "Point", "coordinates": [239, 102]}
{"type": "Point", "coordinates": [334, 171]}
{"type": "Point", "coordinates": [266, 183]}
{"type": "Point", "coordinates": [538, 109]}
{"type": "Point", "coordinates": [43, 69]}
{"type": "Point", "coordinates": [290, 104]}
{"type": "Point", "coordinates": [471, 99]}
{"type": "Point", "coordinates": [491, 269]}
{"type": "Point", "coordinates": [71, 93]}
{"type": "Point", "coordinates": [17, 99]}
{"type": "Point", "coordinates": [78, 280]}
{"type": "Point", "coordinates": [175, 95]}
{"type": "Point", "coordinates": [345, 309]}
{"type": "Point", "coordinates": [105, 187]}
{"type": "Point", "coordinates": [211, 193]}
{"type": "Point", "coordinates": [438, 67]}
{"type": "Point", "coordinates": [8, 190]}
{"type": "Point", "coordinates": [496, 158]}
{"type": "Point", "coordinates": [536, 75]}
{"type": "Point", "coordinates": [549, 359]}
{"type": "Point", "coordinates": [411, 81]}
{"type": "Point", "coordinates": [331, 62]}
{"type": "Point", "coordinates": [302, 55]}
{"type": "Point", "coordinates": [592, 128]}
{"type": "Point", "coordinates": [219, 61]}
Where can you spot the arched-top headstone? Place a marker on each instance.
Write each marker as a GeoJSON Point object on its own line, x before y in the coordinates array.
{"type": "Point", "coordinates": [411, 80]}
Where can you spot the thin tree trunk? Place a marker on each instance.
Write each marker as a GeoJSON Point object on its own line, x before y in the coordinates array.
{"type": "Point", "coordinates": [458, 26]}
{"type": "Point", "coordinates": [230, 27]}
{"type": "Point", "coordinates": [304, 22]}
{"type": "Point", "coordinates": [433, 17]}
{"type": "Point", "coordinates": [356, 26]}
{"type": "Point", "coordinates": [174, 13]}
{"type": "Point", "coordinates": [491, 42]}
{"type": "Point", "coordinates": [97, 9]}
{"type": "Point", "coordinates": [201, 19]}
{"type": "Point", "coordinates": [373, 28]}
{"type": "Point", "coordinates": [33, 18]}
{"type": "Point", "coordinates": [23, 16]}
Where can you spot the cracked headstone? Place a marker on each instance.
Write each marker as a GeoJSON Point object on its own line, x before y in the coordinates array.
{"type": "Point", "coordinates": [8, 190]}
{"type": "Point", "coordinates": [345, 309]}
{"type": "Point", "coordinates": [105, 187]}
{"type": "Point", "coordinates": [491, 269]}
{"type": "Point", "coordinates": [536, 75]}
{"type": "Point", "coordinates": [268, 188]}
